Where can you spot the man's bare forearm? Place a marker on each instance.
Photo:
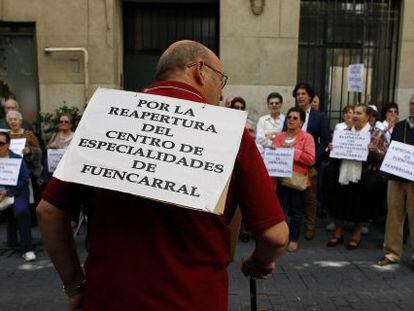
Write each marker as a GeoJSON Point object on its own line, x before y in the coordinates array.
{"type": "Point", "coordinates": [58, 241]}
{"type": "Point", "coordinates": [271, 243]}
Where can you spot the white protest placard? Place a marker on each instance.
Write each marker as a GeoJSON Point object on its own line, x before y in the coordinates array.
{"type": "Point", "coordinates": [350, 145]}
{"type": "Point", "coordinates": [17, 145]}
{"type": "Point", "coordinates": [356, 78]}
{"type": "Point", "coordinates": [399, 160]}
{"type": "Point", "coordinates": [279, 161]}
{"type": "Point", "coordinates": [53, 158]}
{"type": "Point", "coordinates": [9, 171]}
{"type": "Point", "coordinates": [158, 147]}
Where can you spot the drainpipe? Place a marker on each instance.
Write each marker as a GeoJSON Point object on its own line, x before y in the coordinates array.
{"type": "Point", "coordinates": [85, 61]}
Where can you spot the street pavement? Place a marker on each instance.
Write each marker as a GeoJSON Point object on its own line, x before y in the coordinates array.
{"type": "Point", "coordinates": [314, 278]}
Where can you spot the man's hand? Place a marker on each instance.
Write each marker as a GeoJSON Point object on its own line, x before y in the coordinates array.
{"type": "Point", "coordinates": [75, 302]}
{"type": "Point", "coordinates": [26, 150]}
{"type": "Point", "coordinates": [3, 194]}
{"type": "Point", "coordinates": [251, 268]}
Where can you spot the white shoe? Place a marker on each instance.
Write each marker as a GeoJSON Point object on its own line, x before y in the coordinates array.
{"type": "Point", "coordinates": [29, 256]}
{"type": "Point", "coordinates": [330, 226]}
{"type": "Point", "coordinates": [364, 230]}
{"type": "Point", "coordinates": [292, 247]}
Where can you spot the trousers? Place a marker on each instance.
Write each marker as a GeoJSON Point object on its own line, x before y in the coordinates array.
{"type": "Point", "coordinates": [400, 198]}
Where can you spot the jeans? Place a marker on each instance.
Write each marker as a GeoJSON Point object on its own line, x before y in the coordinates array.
{"type": "Point", "coordinates": [22, 214]}
{"type": "Point", "coordinates": [293, 202]}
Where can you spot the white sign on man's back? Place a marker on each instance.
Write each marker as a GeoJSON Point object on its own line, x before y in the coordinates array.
{"type": "Point", "coordinates": [9, 171]}
{"type": "Point", "coordinates": [279, 161]}
{"type": "Point", "coordinates": [356, 78]}
{"type": "Point", "coordinates": [162, 148]}
{"type": "Point", "coordinates": [350, 145]}
{"type": "Point", "coordinates": [399, 160]}
{"type": "Point", "coordinates": [17, 145]}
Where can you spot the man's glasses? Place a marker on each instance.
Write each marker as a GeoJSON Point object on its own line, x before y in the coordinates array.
{"type": "Point", "coordinates": [64, 122]}
{"type": "Point", "coordinates": [2, 143]}
{"type": "Point", "coordinates": [292, 118]}
{"type": "Point", "coordinates": [275, 103]}
{"type": "Point", "coordinates": [223, 77]}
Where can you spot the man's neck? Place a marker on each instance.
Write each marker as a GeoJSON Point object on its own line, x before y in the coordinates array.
{"type": "Point", "coordinates": [307, 108]}
{"type": "Point", "coordinates": [275, 115]}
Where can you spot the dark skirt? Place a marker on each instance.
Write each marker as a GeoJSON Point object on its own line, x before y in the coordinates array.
{"type": "Point", "coordinates": [351, 202]}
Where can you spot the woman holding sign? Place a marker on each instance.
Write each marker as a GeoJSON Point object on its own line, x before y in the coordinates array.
{"type": "Point", "coordinates": [63, 137]}
{"type": "Point", "coordinates": [352, 203]}
{"type": "Point", "coordinates": [304, 158]}
{"type": "Point", "coordinates": [17, 197]}
{"type": "Point", "coordinates": [32, 152]}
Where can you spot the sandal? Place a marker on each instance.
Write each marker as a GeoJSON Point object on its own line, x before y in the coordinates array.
{"type": "Point", "coordinates": [384, 261]}
{"type": "Point", "coordinates": [334, 241]}
{"type": "Point", "coordinates": [352, 244]}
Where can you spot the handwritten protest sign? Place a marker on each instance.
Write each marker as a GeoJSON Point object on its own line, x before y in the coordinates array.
{"type": "Point", "coordinates": [53, 158]}
{"type": "Point", "coordinates": [17, 145]}
{"type": "Point", "coordinates": [9, 171]}
{"type": "Point", "coordinates": [399, 160]}
{"type": "Point", "coordinates": [279, 161]}
{"type": "Point", "coordinates": [158, 147]}
{"type": "Point", "coordinates": [356, 78]}
{"type": "Point", "coordinates": [350, 145]}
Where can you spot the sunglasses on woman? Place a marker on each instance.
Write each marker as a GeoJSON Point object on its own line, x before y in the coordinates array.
{"type": "Point", "coordinates": [292, 118]}
{"type": "Point", "coordinates": [64, 121]}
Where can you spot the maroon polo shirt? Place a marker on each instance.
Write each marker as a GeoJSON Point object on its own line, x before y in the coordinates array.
{"type": "Point", "coordinates": [148, 255]}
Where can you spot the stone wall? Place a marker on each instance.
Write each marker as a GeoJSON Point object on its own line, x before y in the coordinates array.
{"type": "Point", "coordinates": [260, 52]}
{"type": "Point", "coordinates": [91, 24]}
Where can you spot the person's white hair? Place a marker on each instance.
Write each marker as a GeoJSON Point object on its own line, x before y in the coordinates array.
{"type": "Point", "coordinates": [11, 100]}
{"type": "Point", "coordinates": [15, 114]}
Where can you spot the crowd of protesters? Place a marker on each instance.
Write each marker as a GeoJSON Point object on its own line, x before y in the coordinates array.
{"type": "Point", "coordinates": [33, 175]}
{"type": "Point", "coordinates": [348, 191]}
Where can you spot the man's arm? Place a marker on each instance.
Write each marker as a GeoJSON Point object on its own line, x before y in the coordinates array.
{"type": "Point", "coordinates": [270, 245]}
{"type": "Point", "coordinates": [58, 241]}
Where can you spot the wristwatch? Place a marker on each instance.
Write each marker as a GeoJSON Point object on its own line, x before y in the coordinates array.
{"type": "Point", "coordinates": [75, 290]}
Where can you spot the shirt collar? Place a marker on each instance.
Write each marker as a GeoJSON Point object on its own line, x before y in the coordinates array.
{"type": "Point", "coordinates": [410, 122]}
{"type": "Point", "coordinates": [176, 89]}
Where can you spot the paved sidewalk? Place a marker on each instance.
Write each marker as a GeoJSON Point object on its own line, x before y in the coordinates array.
{"type": "Point", "coordinates": [314, 278]}
{"type": "Point", "coordinates": [322, 278]}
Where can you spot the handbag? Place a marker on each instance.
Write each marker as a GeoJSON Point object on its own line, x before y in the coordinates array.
{"type": "Point", "coordinates": [6, 203]}
{"type": "Point", "coordinates": [298, 181]}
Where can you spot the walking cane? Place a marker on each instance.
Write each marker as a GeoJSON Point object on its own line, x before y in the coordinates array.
{"type": "Point", "coordinates": [253, 295]}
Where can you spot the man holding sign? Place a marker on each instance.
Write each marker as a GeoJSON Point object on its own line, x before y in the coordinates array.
{"type": "Point", "coordinates": [151, 255]}
{"type": "Point", "coordinates": [400, 193]}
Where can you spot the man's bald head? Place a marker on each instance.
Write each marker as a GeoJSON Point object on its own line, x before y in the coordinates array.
{"type": "Point", "coordinates": [177, 56]}
{"type": "Point", "coordinates": [11, 104]}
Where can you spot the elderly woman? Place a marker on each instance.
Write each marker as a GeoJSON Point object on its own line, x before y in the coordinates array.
{"type": "Point", "coordinates": [238, 103]}
{"type": "Point", "coordinates": [32, 152]}
{"type": "Point", "coordinates": [331, 171]}
{"type": "Point", "coordinates": [390, 118]}
{"type": "Point", "coordinates": [271, 124]}
{"type": "Point", "coordinates": [352, 203]}
{"type": "Point", "coordinates": [63, 137]}
{"type": "Point", "coordinates": [20, 195]}
{"type": "Point", "coordinates": [304, 158]}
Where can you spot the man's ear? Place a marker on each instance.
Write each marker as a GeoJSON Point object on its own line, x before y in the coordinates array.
{"type": "Point", "coordinates": [199, 73]}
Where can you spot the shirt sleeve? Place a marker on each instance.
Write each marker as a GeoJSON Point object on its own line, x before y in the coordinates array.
{"type": "Point", "coordinates": [260, 133]}
{"type": "Point", "coordinates": [254, 190]}
{"type": "Point", "coordinates": [64, 195]}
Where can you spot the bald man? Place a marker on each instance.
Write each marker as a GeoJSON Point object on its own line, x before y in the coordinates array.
{"type": "Point", "coordinates": [149, 255]}
{"type": "Point", "coordinates": [12, 105]}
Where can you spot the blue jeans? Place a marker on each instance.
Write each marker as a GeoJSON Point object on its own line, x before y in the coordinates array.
{"type": "Point", "coordinates": [22, 214]}
{"type": "Point", "coordinates": [294, 203]}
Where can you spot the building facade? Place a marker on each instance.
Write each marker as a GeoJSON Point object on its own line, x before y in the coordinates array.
{"type": "Point", "coordinates": [56, 52]}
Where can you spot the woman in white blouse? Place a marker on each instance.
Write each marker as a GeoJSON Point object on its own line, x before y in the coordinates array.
{"type": "Point", "coordinates": [271, 124]}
